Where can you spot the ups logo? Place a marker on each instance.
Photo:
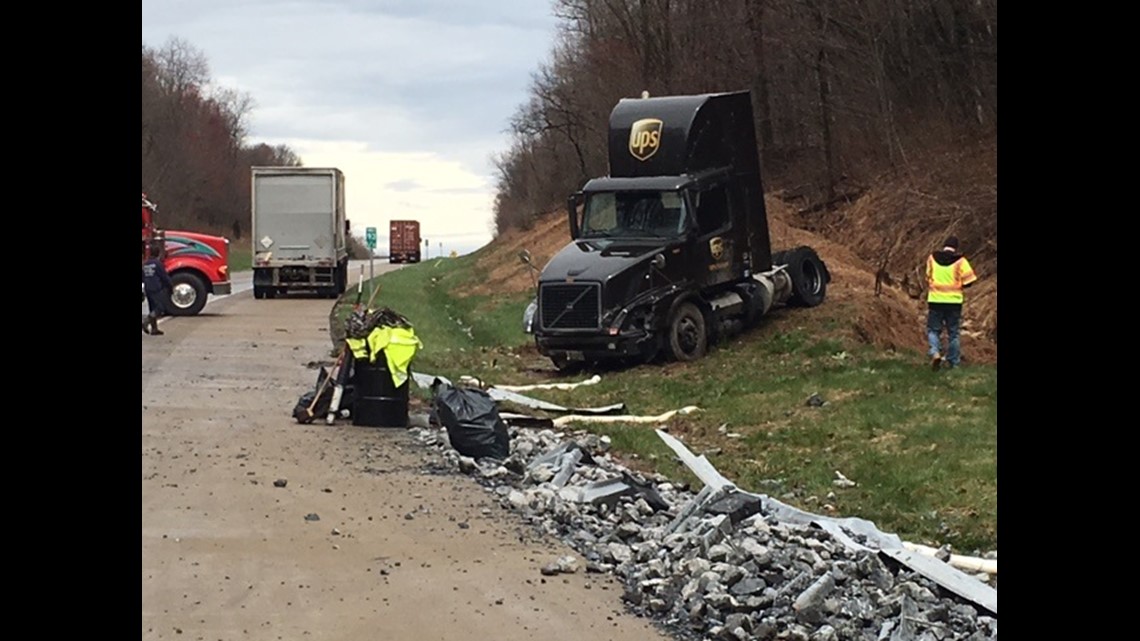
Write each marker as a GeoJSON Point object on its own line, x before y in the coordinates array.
{"type": "Point", "coordinates": [645, 138]}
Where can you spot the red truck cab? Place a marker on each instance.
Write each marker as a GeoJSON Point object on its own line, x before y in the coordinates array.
{"type": "Point", "coordinates": [198, 264]}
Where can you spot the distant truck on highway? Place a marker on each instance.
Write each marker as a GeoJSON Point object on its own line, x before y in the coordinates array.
{"type": "Point", "coordinates": [300, 231]}
{"type": "Point", "coordinates": [404, 241]}
{"type": "Point", "coordinates": [670, 252]}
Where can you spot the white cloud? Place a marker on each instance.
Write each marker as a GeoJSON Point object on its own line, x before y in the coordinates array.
{"type": "Point", "coordinates": [452, 203]}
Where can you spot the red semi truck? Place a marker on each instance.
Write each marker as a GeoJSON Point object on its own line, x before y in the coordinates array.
{"type": "Point", "coordinates": [404, 241]}
{"type": "Point", "coordinates": [197, 263]}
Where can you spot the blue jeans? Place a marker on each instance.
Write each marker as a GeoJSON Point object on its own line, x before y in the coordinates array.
{"type": "Point", "coordinates": [948, 317]}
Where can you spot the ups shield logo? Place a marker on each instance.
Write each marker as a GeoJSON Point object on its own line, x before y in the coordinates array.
{"type": "Point", "coordinates": [716, 248]}
{"type": "Point", "coordinates": [645, 138]}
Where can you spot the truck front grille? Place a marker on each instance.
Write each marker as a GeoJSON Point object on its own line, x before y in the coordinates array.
{"type": "Point", "coordinates": [569, 305]}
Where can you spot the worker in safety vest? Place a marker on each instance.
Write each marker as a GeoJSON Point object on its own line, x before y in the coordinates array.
{"type": "Point", "coordinates": [948, 273]}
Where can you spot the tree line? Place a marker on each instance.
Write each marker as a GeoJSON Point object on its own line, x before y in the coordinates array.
{"type": "Point", "coordinates": [841, 89]}
{"type": "Point", "coordinates": [195, 156]}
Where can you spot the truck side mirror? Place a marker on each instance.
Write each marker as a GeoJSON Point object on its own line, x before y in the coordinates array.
{"type": "Point", "coordinates": [524, 257]}
{"type": "Point", "coordinates": [572, 204]}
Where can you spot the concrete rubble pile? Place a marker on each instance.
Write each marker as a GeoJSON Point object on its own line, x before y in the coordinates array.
{"type": "Point", "coordinates": [721, 564]}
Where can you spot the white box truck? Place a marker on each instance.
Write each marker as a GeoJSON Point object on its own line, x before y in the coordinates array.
{"type": "Point", "coordinates": [299, 231]}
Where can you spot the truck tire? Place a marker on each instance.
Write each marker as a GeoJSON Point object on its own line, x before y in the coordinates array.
{"type": "Point", "coordinates": [188, 296]}
{"type": "Point", "coordinates": [809, 277]}
{"type": "Point", "coordinates": [258, 292]}
{"type": "Point", "coordinates": [341, 279]}
{"type": "Point", "coordinates": [688, 336]}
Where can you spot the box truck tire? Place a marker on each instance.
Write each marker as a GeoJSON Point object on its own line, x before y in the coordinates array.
{"type": "Point", "coordinates": [188, 296]}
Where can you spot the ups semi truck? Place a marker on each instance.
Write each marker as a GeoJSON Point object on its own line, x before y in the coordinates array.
{"type": "Point", "coordinates": [670, 252]}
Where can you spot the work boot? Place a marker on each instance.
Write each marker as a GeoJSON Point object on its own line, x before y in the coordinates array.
{"type": "Point", "coordinates": [936, 362]}
{"type": "Point", "coordinates": [154, 330]}
{"type": "Point", "coordinates": [146, 326]}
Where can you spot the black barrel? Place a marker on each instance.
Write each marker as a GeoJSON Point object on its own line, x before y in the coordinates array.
{"type": "Point", "coordinates": [377, 402]}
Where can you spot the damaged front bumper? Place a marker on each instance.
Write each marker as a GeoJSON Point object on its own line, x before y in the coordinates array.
{"type": "Point", "coordinates": [594, 347]}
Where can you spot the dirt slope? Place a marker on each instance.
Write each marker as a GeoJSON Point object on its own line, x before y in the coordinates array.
{"type": "Point", "coordinates": [895, 220]}
{"type": "Point", "coordinates": [899, 217]}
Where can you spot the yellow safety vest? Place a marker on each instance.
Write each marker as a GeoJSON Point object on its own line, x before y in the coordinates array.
{"type": "Point", "coordinates": [945, 282]}
{"type": "Point", "coordinates": [398, 344]}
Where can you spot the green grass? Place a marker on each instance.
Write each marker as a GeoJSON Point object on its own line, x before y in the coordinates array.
{"type": "Point", "coordinates": [241, 257]}
{"type": "Point", "coordinates": [921, 445]}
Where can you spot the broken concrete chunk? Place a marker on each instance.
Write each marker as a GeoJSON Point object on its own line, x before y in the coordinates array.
{"type": "Point", "coordinates": [618, 553]}
{"type": "Point", "coordinates": [748, 587]}
{"type": "Point", "coordinates": [628, 530]}
{"type": "Point", "coordinates": [738, 506]}
{"type": "Point", "coordinates": [467, 464]}
{"type": "Point", "coordinates": [517, 499]}
{"type": "Point", "coordinates": [540, 474]}
{"type": "Point", "coordinates": [567, 564]}
{"type": "Point", "coordinates": [808, 605]}
{"type": "Point", "coordinates": [719, 552]}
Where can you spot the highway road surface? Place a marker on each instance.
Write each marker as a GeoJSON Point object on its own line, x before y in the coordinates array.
{"type": "Point", "coordinates": [258, 528]}
{"type": "Point", "coordinates": [243, 281]}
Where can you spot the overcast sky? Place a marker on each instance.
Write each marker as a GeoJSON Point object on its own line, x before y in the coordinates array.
{"type": "Point", "coordinates": [410, 98]}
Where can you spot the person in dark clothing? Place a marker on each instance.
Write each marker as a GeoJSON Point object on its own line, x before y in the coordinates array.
{"type": "Point", "coordinates": [157, 285]}
{"type": "Point", "coordinates": [948, 273]}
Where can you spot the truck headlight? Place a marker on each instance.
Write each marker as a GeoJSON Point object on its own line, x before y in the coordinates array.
{"type": "Point", "coordinates": [528, 316]}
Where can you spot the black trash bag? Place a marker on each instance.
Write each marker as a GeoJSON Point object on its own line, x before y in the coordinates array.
{"type": "Point", "coordinates": [473, 424]}
{"type": "Point", "coordinates": [301, 410]}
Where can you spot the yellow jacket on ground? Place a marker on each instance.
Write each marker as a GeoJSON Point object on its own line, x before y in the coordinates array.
{"type": "Point", "coordinates": [399, 345]}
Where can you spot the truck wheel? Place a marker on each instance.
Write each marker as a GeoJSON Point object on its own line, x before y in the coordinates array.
{"type": "Point", "coordinates": [341, 279]}
{"type": "Point", "coordinates": [258, 292]}
{"type": "Point", "coordinates": [688, 337]}
{"type": "Point", "coordinates": [809, 277]}
{"type": "Point", "coordinates": [188, 296]}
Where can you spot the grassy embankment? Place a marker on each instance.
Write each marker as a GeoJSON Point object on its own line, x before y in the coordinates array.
{"type": "Point", "coordinates": [241, 257]}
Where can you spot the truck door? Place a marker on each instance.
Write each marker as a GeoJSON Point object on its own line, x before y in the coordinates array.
{"type": "Point", "coordinates": [715, 250]}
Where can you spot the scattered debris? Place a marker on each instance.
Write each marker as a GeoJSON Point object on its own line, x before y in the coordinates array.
{"type": "Point", "coordinates": [593, 380]}
{"type": "Point", "coordinates": [842, 481]}
{"type": "Point", "coordinates": [280, 483]}
{"type": "Point", "coordinates": [562, 421]}
{"type": "Point", "coordinates": [312, 517]}
{"type": "Point", "coordinates": [427, 381]}
{"type": "Point", "coordinates": [474, 426]}
{"type": "Point", "coordinates": [723, 563]}
{"type": "Point", "coordinates": [564, 565]}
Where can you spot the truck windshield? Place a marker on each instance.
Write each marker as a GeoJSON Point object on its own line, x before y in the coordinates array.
{"type": "Point", "coordinates": [634, 214]}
